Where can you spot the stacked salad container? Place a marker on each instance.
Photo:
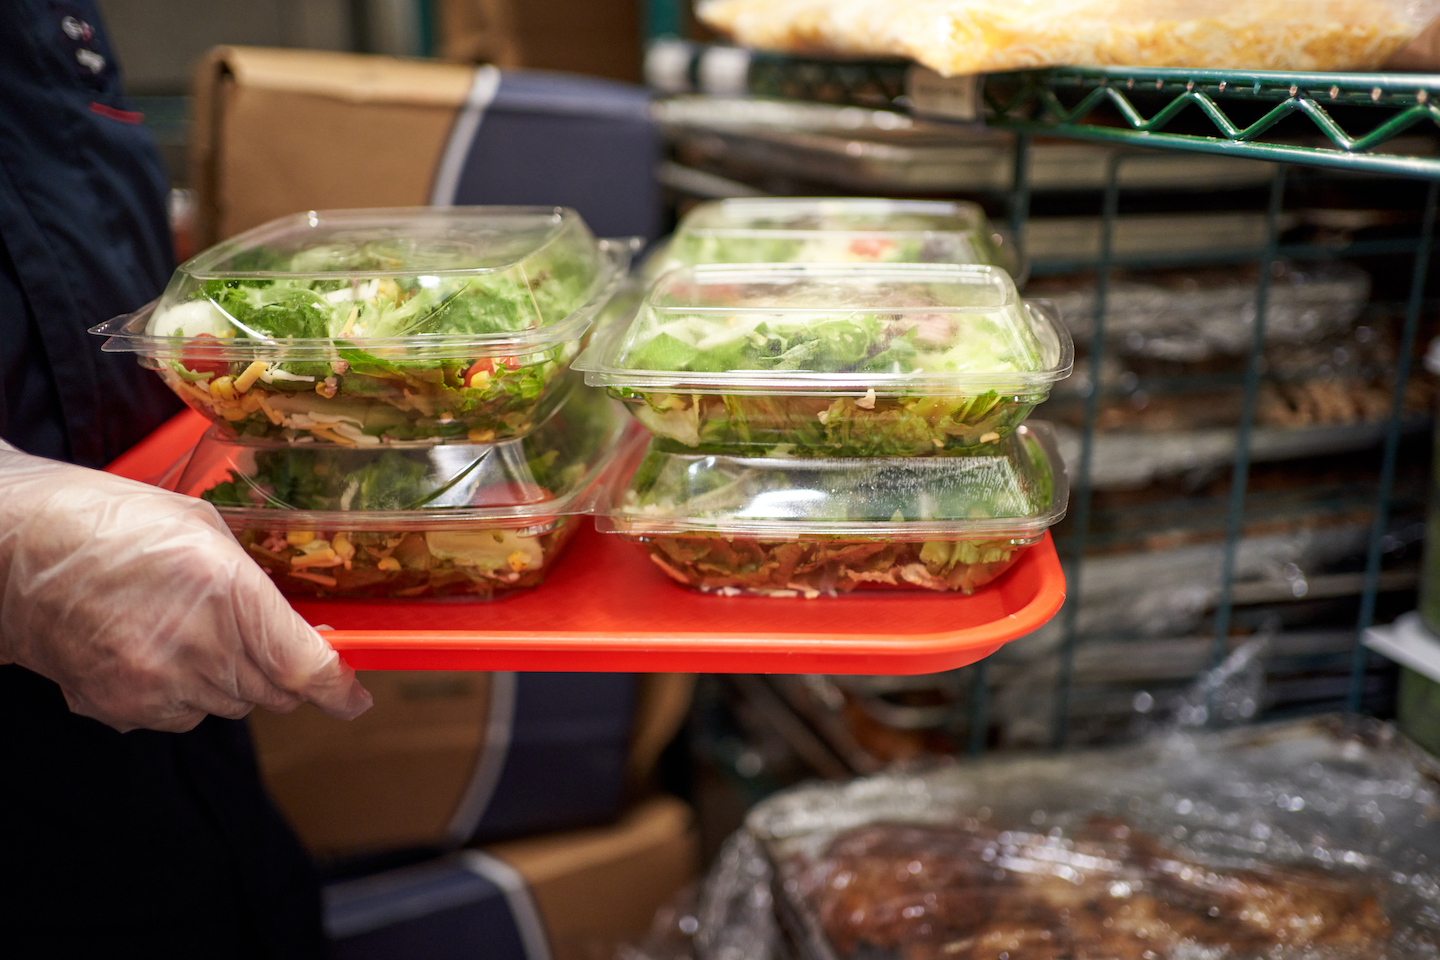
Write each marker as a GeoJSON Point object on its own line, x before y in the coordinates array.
{"type": "Point", "coordinates": [835, 231]}
{"type": "Point", "coordinates": [394, 412]}
{"type": "Point", "coordinates": [835, 393]}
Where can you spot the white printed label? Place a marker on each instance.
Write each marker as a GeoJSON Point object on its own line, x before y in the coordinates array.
{"type": "Point", "coordinates": [954, 98]}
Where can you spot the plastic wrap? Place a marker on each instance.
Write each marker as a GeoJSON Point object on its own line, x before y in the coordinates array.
{"type": "Point", "coordinates": [832, 360]}
{"type": "Point", "coordinates": [737, 908]}
{"type": "Point", "coordinates": [414, 520]}
{"type": "Point", "coordinates": [355, 326]}
{"type": "Point", "coordinates": [1167, 592]}
{"type": "Point", "coordinates": [785, 526]}
{"type": "Point", "coordinates": [978, 36]}
{"type": "Point", "coordinates": [731, 916]}
{"type": "Point", "coordinates": [1280, 842]}
{"type": "Point", "coordinates": [1131, 460]}
{"type": "Point", "coordinates": [1194, 314]}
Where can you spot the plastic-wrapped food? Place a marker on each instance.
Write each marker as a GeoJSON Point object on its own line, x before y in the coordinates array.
{"type": "Point", "coordinates": [832, 360]}
{"type": "Point", "coordinates": [785, 526]}
{"type": "Point", "coordinates": [412, 520]}
{"type": "Point", "coordinates": [834, 230]}
{"type": "Point", "coordinates": [1191, 315]}
{"type": "Point", "coordinates": [1280, 842]}
{"type": "Point", "coordinates": [730, 917]}
{"type": "Point", "coordinates": [362, 325]}
{"type": "Point", "coordinates": [1166, 592]}
{"type": "Point", "coordinates": [1319, 402]}
{"type": "Point", "coordinates": [736, 916]}
{"type": "Point", "coordinates": [1132, 459]}
{"type": "Point", "coordinates": [1352, 360]}
{"type": "Point", "coordinates": [978, 36]}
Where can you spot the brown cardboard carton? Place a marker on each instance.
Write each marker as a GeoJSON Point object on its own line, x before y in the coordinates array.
{"type": "Point", "coordinates": [573, 895]}
{"type": "Point", "coordinates": [416, 769]}
{"type": "Point", "coordinates": [596, 888]}
{"type": "Point", "coordinates": [278, 132]}
{"type": "Point", "coordinates": [389, 779]}
{"type": "Point", "coordinates": [597, 37]}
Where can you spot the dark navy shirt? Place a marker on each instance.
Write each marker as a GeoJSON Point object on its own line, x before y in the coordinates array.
{"type": "Point", "coordinates": [83, 237]}
{"type": "Point", "coordinates": [111, 845]}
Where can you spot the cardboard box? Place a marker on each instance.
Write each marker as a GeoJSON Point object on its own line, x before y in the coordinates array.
{"type": "Point", "coordinates": [569, 896]}
{"type": "Point", "coordinates": [598, 37]}
{"type": "Point", "coordinates": [392, 778]}
{"type": "Point", "coordinates": [596, 888]}
{"type": "Point", "coordinates": [279, 132]}
{"type": "Point", "coordinates": [444, 758]}
{"type": "Point", "coordinates": [282, 131]}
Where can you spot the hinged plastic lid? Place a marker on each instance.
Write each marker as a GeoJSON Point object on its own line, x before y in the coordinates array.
{"type": "Point", "coordinates": [818, 329]}
{"type": "Point", "coordinates": [834, 230]}
{"type": "Point", "coordinates": [555, 471]}
{"type": "Point", "coordinates": [410, 282]}
{"type": "Point", "coordinates": [1015, 489]}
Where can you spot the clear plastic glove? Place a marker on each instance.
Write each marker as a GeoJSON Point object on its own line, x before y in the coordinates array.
{"type": "Point", "coordinates": [144, 609]}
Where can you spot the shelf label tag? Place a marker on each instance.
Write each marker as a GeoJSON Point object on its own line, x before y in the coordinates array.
{"type": "Point", "coordinates": [953, 98]}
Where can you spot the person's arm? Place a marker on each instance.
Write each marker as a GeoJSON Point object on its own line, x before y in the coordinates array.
{"type": "Point", "coordinates": [140, 604]}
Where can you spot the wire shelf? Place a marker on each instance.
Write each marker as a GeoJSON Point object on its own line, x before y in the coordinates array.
{"type": "Point", "coordinates": [1064, 101]}
{"type": "Point", "coordinates": [1073, 102]}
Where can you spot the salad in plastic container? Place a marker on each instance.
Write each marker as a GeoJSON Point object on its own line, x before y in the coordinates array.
{"type": "Point", "coordinates": [410, 520]}
{"type": "Point", "coordinates": [834, 230]}
{"type": "Point", "coordinates": [787, 526]}
{"type": "Point", "coordinates": [358, 326]}
{"type": "Point", "coordinates": [864, 360]}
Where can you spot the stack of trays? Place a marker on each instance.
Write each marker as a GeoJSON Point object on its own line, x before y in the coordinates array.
{"type": "Point", "coordinates": [390, 389]}
{"type": "Point", "coordinates": [820, 427]}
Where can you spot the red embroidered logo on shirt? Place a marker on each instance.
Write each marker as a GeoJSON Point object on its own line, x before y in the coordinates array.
{"type": "Point", "coordinates": [124, 116]}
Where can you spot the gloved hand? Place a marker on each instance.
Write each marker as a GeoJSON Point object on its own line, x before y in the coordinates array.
{"type": "Point", "coordinates": [141, 605]}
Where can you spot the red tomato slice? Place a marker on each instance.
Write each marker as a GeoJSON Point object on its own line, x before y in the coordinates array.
{"type": "Point", "coordinates": [488, 365]}
{"type": "Point", "coordinates": [871, 247]}
{"type": "Point", "coordinates": [203, 358]}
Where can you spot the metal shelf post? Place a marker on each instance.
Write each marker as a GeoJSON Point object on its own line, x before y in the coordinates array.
{"type": "Point", "coordinates": [1419, 269]}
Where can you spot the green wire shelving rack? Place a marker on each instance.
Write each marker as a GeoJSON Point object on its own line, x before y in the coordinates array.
{"type": "Point", "coordinates": [1388, 125]}
{"type": "Point", "coordinates": [1064, 102]}
{"type": "Point", "coordinates": [1100, 104]}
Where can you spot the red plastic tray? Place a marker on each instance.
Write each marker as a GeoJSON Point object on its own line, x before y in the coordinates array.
{"type": "Point", "coordinates": [607, 608]}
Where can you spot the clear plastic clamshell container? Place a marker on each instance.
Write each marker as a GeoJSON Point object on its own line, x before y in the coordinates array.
{"type": "Point", "coordinates": [835, 230]}
{"type": "Point", "coordinates": [787, 527]}
{"type": "Point", "coordinates": [358, 325]}
{"type": "Point", "coordinates": [410, 520]}
{"type": "Point", "coordinates": [832, 360]}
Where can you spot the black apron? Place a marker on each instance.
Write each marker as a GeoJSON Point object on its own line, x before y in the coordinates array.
{"type": "Point", "coordinates": [144, 844]}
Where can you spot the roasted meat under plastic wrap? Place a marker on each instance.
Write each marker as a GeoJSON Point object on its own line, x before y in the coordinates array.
{"type": "Point", "coordinates": [975, 892]}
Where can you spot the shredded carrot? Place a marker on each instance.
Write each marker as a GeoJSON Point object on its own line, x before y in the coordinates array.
{"type": "Point", "coordinates": [319, 578]}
